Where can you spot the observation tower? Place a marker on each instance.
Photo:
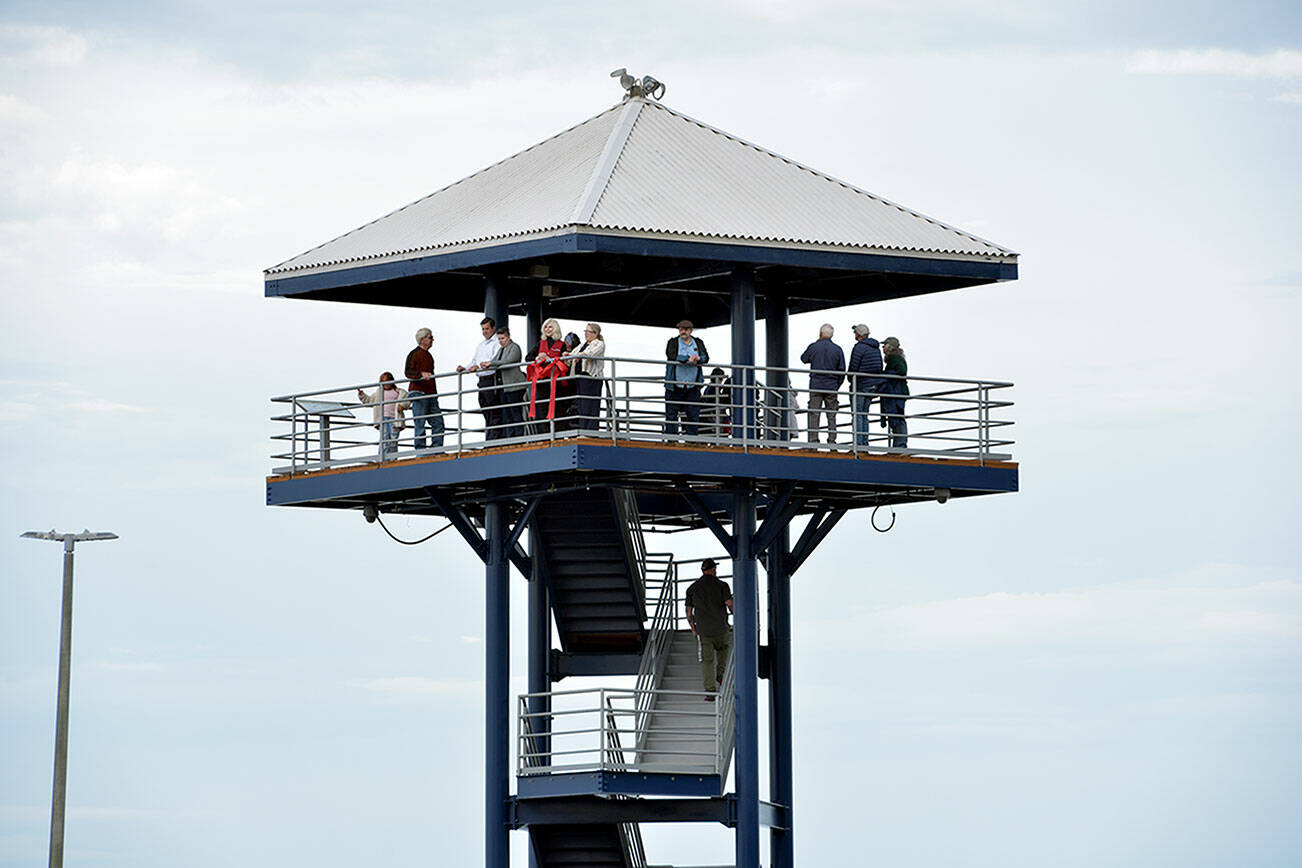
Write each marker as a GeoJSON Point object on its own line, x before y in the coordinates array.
{"type": "Point", "coordinates": [644, 216]}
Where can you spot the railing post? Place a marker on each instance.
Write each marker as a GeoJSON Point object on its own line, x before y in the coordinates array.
{"type": "Point", "coordinates": [293, 436]}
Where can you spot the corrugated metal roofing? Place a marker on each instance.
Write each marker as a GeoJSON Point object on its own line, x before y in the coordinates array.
{"type": "Point", "coordinates": [641, 167]}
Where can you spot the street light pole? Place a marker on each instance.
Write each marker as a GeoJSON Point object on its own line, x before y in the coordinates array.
{"type": "Point", "coordinates": [59, 798]}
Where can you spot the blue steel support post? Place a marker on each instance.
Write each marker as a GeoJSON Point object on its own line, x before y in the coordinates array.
{"type": "Point", "coordinates": [540, 637]}
{"type": "Point", "coordinates": [776, 353]}
{"type": "Point", "coordinates": [497, 670]}
{"type": "Point", "coordinates": [745, 645]}
{"type": "Point", "coordinates": [743, 350]}
{"type": "Point", "coordinates": [540, 649]}
{"type": "Point", "coordinates": [495, 300]}
{"type": "Point", "coordinates": [533, 308]}
{"type": "Point", "coordinates": [781, 839]}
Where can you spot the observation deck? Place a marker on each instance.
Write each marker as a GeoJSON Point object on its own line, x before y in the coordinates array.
{"type": "Point", "coordinates": [959, 445]}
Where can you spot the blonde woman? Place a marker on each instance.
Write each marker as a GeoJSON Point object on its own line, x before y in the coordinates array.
{"type": "Point", "coordinates": [543, 372]}
{"type": "Point", "coordinates": [589, 371]}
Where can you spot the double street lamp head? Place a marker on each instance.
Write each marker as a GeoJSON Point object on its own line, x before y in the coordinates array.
{"type": "Point", "coordinates": [84, 536]}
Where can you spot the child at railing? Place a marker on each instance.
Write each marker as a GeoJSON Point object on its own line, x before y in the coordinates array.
{"type": "Point", "coordinates": [389, 402]}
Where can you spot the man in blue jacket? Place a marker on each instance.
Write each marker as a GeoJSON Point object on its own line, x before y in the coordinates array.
{"type": "Point", "coordinates": [865, 362]}
{"type": "Point", "coordinates": [685, 354]}
{"type": "Point", "coordinates": [826, 365]}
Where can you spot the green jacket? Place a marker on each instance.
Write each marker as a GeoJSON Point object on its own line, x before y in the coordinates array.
{"type": "Point", "coordinates": [895, 364]}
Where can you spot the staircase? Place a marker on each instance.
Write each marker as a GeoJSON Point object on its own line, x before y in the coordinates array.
{"type": "Point", "coordinates": [574, 845]}
{"type": "Point", "coordinates": [592, 548]}
{"type": "Point", "coordinates": [681, 728]}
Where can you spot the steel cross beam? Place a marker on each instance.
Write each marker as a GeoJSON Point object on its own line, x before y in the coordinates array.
{"type": "Point", "coordinates": [779, 514]}
{"type": "Point", "coordinates": [725, 539]}
{"type": "Point", "coordinates": [466, 528]}
{"type": "Point", "coordinates": [818, 528]}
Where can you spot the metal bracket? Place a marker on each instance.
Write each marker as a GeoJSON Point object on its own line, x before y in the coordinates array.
{"type": "Point", "coordinates": [694, 501]}
{"type": "Point", "coordinates": [777, 517]}
{"type": "Point", "coordinates": [459, 520]}
{"type": "Point", "coordinates": [818, 528]}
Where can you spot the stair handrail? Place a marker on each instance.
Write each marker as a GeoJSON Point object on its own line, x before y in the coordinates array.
{"type": "Point", "coordinates": [655, 653]}
{"type": "Point", "coordinates": [724, 730]}
{"type": "Point", "coordinates": [630, 836]}
{"type": "Point", "coordinates": [634, 541]}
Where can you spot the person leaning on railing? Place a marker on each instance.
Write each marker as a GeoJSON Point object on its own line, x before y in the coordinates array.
{"type": "Point", "coordinates": [388, 401]}
{"type": "Point", "coordinates": [505, 366]}
{"type": "Point", "coordinates": [893, 406]}
{"type": "Point", "coordinates": [545, 369]}
{"type": "Point", "coordinates": [589, 371]}
{"type": "Point", "coordinates": [419, 368]}
{"type": "Point", "coordinates": [823, 358]}
{"type": "Point", "coordinates": [865, 364]}
{"type": "Point", "coordinates": [683, 378]}
{"type": "Point", "coordinates": [485, 350]}
{"type": "Point", "coordinates": [717, 404]}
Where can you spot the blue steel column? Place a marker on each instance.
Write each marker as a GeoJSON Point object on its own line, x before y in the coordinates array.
{"type": "Point", "coordinates": [781, 841]}
{"type": "Point", "coordinates": [540, 646]}
{"type": "Point", "coordinates": [534, 321]}
{"type": "Point", "coordinates": [495, 300]}
{"type": "Point", "coordinates": [743, 349]}
{"type": "Point", "coordinates": [497, 641]}
{"type": "Point", "coordinates": [745, 645]}
{"type": "Point", "coordinates": [776, 354]}
{"type": "Point", "coordinates": [745, 640]}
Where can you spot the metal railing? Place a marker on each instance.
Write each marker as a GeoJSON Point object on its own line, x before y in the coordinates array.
{"type": "Point", "coordinates": [583, 723]}
{"type": "Point", "coordinates": [752, 408]}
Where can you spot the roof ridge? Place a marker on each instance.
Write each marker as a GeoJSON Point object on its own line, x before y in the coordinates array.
{"type": "Point", "coordinates": [833, 179]}
{"type": "Point", "coordinates": [620, 105]}
{"type": "Point", "coordinates": [605, 167]}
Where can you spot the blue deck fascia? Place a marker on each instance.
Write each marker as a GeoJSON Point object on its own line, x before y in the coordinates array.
{"type": "Point", "coordinates": [609, 783]}
{"type": "Point", "coordinates": [580, 242]}
{"type": "Point", "coordinates": [490, 465]}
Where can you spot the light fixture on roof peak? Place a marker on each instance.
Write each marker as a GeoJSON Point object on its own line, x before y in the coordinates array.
{"type": "Point", "coordinates": [647, 87]}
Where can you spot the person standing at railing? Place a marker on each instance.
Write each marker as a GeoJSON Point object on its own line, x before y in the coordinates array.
{"type": "Point", "coordinates": [505, 367]}
{"type": "Point", "coordinates": [485, 350]}
{"type": "Point", "coordinates": [544, 371]}
{"type": "Point", "coordinates": [865, 370]}
{"type": "Point", "coordinates": [826, 363]}
{"type": "Point", "coordinates": [425, 410]}
{"type": "Point", "coordinates": [717, 404]}
{"type": "Point", "coordinates": [708, 603]}
{"type": "Point", "coordinates": [389, 402]}
{"type": "Point", "coordinates": [898, 391]}
{"type": "Point", "coordinates": [683, 377]}
{"type": "Point", "coordinates": [589, 371]}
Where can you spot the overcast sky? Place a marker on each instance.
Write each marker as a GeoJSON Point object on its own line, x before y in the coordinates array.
{"type": "Point", "coordinates": [1102, 669]}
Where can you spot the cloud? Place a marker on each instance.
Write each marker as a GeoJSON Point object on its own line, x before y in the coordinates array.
{"type": "Point", "coordinates": [36, 400]}
{"type": "Point", "coordinates": [1289, 98]}
{"type": "Point", "coordinates": [44, 46]}
{"type": "Point", "coordinates": [1283, 63]}
{"type": "Point", "coordinates": [414, 685]}
{"type": "Point", "coordinates": [1107, 615]}
{"type": "Point", "coordinates": [14, 110]}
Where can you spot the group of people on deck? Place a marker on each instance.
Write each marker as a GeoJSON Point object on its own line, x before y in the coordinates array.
{"type": "Point", "coordinates": [876, 371]}
{"type": "Point", "coordinates": [560, 383]}
{"type": "Point", "coordinates": [558, 386]}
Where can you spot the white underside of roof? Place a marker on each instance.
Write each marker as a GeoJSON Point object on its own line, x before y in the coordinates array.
{"type": "Point", "coordinates": [642, 169]}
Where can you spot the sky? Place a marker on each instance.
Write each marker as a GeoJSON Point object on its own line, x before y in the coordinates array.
{"type": "Point", "coordinates": [1100, 669]}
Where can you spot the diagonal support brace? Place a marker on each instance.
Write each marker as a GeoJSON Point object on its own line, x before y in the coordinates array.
{"type": "Point", "coordinates": [817, 530]}
{"type": "Point", "coordinates": [458, 518]}
{"type": "Point", "coordinates": [523, 522]}
{"type": "Point", "coordinates": [725, 539]}
{"type": "Point", "coordinates": [776, 518]}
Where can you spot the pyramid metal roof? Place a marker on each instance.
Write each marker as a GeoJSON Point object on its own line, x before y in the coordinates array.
{"type": "Point", "coordinates": [644, 199]}
{"type": "Point", "coordinates": [641, 167]}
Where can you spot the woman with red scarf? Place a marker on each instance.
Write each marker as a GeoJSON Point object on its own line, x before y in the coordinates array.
{"type": "Point", "coordinates": [543, 373]}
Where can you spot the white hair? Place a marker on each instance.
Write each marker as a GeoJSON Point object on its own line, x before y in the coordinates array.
{"type": "Point", "coordinates": [596, 328]}
{"type": "Point", "coordinates": [826, 330]}
{"type": "Point", "coordinates": [421, 334]}
{"type": "Point", "coordinates": [556, 328]}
